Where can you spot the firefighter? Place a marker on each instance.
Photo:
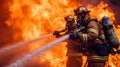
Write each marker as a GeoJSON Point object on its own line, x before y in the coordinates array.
{"type": "Point", "coordinates": [74, 56]}
{"type": "Point", "coordinates": [70, 26]}
{"type": "Point", "coordinates": [92, 37]}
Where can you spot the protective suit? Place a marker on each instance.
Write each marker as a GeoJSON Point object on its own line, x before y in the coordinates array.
{"type": "Point", "coordinates": [92, 38]}
{"type": "Point", "coordinates": [73, 54]}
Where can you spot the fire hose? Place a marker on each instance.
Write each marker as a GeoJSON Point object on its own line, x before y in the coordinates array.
{"type": "Point", "coordinates": [18, 45]}
{"type": "Point", "coordinates": [27, 57]}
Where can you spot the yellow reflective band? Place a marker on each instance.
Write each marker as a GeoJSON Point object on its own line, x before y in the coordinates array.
{"type": "Point", "coordinates": [85, 38]}
{"type": "Point", "coordinates": [98, 58]}
{"type": "Point", "coordinates": [94, 31]}
{"type": "Point", "coordinates": [75, 54]}
{"type": "Point", "coordinates": [102, 36]}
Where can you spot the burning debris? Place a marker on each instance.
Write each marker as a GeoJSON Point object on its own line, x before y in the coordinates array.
{"type": "Point", "coordinates": [35, 18]}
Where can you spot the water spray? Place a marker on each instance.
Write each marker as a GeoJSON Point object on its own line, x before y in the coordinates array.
{"type": "Point", "coordinates": [27, 57]}
{"type": "Point", "coordinates": [18, 45]}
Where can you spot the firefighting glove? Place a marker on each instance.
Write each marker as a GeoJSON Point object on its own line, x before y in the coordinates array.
{"type": "Point", "coordinates": [56, 33]}
{"type": "Point", "coordinates": [75, 35]}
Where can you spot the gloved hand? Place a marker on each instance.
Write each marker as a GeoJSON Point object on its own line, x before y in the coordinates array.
{"type": "Point", "coordinates": [56, 33]}
{"type": "Point", "coordinates": [75, 35]}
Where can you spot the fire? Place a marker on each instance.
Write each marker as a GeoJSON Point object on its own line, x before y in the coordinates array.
{"type": "Point", "coordinates": [101, 10]}
{"type": "Point", "coordinates": [114, 61]}
{"type": "Point", "coordinates": [39, 16]}
{"type": "Point", "coordinates": [33, 18]}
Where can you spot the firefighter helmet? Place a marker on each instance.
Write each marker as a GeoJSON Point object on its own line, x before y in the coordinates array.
{"type": "Point", "coordinates": [82, 14]}
{"type": "Point", "coordinates": [80, 10]}
{"type": "Point", "coordinates": [69, 18]}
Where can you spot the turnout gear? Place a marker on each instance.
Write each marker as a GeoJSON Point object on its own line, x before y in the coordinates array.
{"type": "Point", "coordinates": [90, 41]}
{"type": "Point", "coordinates": [72, 46]}
{"type": "Point", "coordinates": [93, 36]}
{"type": "Point", "coordinates": [94, 39]}
{"type": "Point", "coordinates": [97, 61]}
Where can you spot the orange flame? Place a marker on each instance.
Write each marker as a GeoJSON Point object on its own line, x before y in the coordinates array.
{"type": "Point", "coordinates": [34, 18]}
{"type": "Point", "coordinates": [114, 61]}
{"type": "Point", "coordinates": [30, 19]}
{"type": "Point", "coordinates": [101, 10]}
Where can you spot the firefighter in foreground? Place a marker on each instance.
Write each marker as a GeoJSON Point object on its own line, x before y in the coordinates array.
{"type": "Point", "coordinates": [93, 35]}
{"type": "Point", "coordinates": [70, 26]}
{"type": "Point", "coordinates": [93, 38]}
{"type": "Point", "coordinates": [72, 46]}
{"type": "Point", "coordinates": [78, 43]}
{"type": "Point", "coordinates": [91, 41]}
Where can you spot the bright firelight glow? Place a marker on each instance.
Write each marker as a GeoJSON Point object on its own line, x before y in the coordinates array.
{"type": "Point", "coordinates": [33, 18]}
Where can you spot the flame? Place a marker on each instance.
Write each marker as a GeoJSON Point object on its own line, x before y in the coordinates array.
{"type": "Point", "coordinates": [33, 18]}
{"type": "Point", "coordinates": [114, 61]}
{"type": "Point", "coordinates": [101, 10]}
